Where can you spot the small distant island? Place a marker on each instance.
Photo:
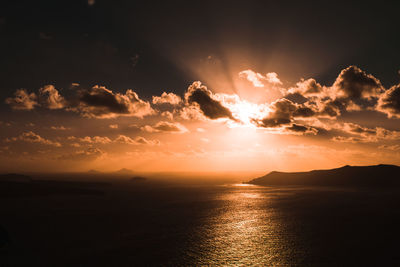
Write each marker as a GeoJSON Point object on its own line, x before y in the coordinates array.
{"type": "Point", "coordinates": [356, 176]}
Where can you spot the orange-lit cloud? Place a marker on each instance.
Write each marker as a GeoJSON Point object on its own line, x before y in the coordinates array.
{"type": "Point", "coordinates": [32, 137]}
{"type": "Point", "coordinates": [139, 140]}
{"type": "Point", "coordinates": [164, 126]}
{"type": "Point", "coordinates": [22, 100]}
{"type": "Point", "coordinates": [389, 102]}
{"type": "Point", "coordinates": [198, 94]}
{"type": "Point", "coordinates": [101, 102]}
{"type": "Point", "coordinates": [50, 98]}
{"type": "Point", "coordinates": [110, 128]}
{"type": "Point", "coordinates": [258, 80]}
{"type": "Point", "coordinates": [167, 98]}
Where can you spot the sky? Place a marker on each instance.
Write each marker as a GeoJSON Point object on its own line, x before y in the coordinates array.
{"type": "Point", "coordinates": [178, 86]}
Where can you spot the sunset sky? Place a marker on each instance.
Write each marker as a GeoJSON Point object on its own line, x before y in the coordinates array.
{"type": "Point", "coordinates": [198, 86]}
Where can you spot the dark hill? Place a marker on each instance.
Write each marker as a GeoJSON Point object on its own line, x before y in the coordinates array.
{"type": "Point", "coordinates": [377, 175]}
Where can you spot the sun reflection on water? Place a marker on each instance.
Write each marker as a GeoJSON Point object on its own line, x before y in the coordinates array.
{"type": "Point", "coordinates": [243, 230]}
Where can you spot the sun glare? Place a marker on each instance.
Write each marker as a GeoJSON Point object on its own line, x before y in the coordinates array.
{"type": "Point", "coordinates": [245, 112]}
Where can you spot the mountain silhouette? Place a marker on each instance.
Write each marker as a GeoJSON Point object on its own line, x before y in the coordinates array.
{"type": "Point", "coordinates": [374, 176]}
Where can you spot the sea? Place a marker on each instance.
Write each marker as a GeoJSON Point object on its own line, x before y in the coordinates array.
{"type": "Point", "coordinates": [204, 225]}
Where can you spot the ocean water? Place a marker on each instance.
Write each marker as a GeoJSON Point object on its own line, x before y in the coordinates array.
{"type": "Point", "coordinates": [221, 225]}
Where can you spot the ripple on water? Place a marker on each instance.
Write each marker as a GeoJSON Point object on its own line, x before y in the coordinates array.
{"type": "Point", "coordinates": [242, 229]}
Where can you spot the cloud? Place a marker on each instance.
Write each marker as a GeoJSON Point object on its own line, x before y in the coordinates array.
{"type": "Point", "coordinates": [352, 90]}
{"type": "Point", "coordinates": [168, 115]}
{"type": "Point", "coordinates": [198, 95]}
{"type": "Point", "coordinates": [50, 98]}
{"type": "Point", "coordinates": [167, 98]}
{"type": "Point", "coordinates": [32, 137]}
{"type": "Point", "coordinates": [139, 140]}
{"type": "Point", "coordinates": [88, 154]}
{"type": "Point", "coordinates": [349, 139]}
{"type": "Point", "coordinates": [357, 88]}
{"type": "Point", "coordinates": [190, 113]}
{"type": "Point", "coordinates": [96, 140]}
{"type": "Point", "coordinates": [388, 147]}
{"type": "Point", "coordinates": [355, 133]}
{"type": "Point", "coordinates": [96, 102]}
{"type": "Point", "coordinates": [283, 111]}
{"type": "Point", "coordinates": [257, 79]}
{"type": "Point", "coordinates": [100, 102]}
{"type": "Point", "coordinates": [165, 126]}
{"type": "Point", "coordinates": [308, 87]}
{"type": "Point", "coordinates": [306, 107]}
{"type": "Point", "coordinates": [59, 128]}
{"type": "Point", "coordinates": [302, 129]}
{"type": "Point", "coordinates": [389, 102]}
{"type": "Point", "coordinates": [354, 83]}
{"type": "Point", "coordinates": [22, 100]}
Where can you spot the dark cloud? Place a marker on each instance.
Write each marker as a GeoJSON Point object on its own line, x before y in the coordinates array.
{"type": "Point", "coordinates": [356, 83]}
{"type": "Point", "coordinates": [389, 102]}
{"type": "Point", "coordinates": [303, 112]}
{"type": "Point", "coordinates": [100, 102]}
{"type": "Point", "coordinates": [307, 87]}
{"type": "Point", "coordinates": [352, 90]}
{"type": "Point", "coordinates": [283, 112]}
{"type": "Point", "coordinates": [97, 102]}
{"type": "Point", "coordinates": [331, 108]}
{"type": "Point", "coordinates": [355, 86]}
{"type": "Point", "coordinates": [211, 108]}
{"type": "Point", "coordinates": [296, 98]}
{"type": "Point", "coordinates": [297, 128]}
{"type": "Point", "coordinates": [101, 97]}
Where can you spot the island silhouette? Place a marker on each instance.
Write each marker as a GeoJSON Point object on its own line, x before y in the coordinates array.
{"type": "Point", "coordinates": [366, 176]}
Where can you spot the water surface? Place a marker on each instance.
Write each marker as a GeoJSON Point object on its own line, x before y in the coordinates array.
{"type": "Point", "coordinates": [204, 225]}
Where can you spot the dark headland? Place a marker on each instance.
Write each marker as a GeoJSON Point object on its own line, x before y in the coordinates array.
{"type": "Point", "coordinates": [365, 176]}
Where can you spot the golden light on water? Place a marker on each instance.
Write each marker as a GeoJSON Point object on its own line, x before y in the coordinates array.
{"type": "Point", "coordinates": [243, 230]}
{"type": "Point", "coordinates": [243, 185]}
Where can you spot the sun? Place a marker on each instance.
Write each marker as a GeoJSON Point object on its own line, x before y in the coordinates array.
{"type": "Point", "coordinates": [245, 112]}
